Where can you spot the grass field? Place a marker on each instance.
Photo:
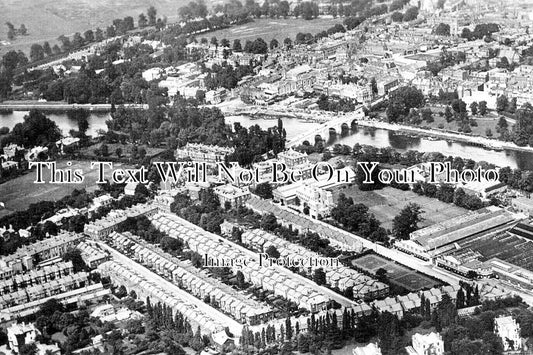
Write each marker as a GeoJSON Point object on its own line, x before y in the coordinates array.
{"type": "Point", "coordinates": [269, 29]}
{"type": "Point", "coordinates": [48, 19]}
{"type": "Point", "coordinates": [19, 193]}
{"type": "Point", "coordinates": [483, 123]}
{"type": "Point", "coordinates": [385, 204]}
{"type": "Point", "coordinates": [398, 274]}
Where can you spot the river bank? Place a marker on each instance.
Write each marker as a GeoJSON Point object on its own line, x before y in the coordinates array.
{"type": "Point", "coordinates": [60, 107]}
{"type": "Point", "coordinates": [491, 144]}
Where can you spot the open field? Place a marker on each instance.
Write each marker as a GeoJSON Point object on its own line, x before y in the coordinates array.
{"type": "Point", "coordinates": [19, 193]}
{"type": "Point", "coordinates": [398, 274]}
{"type": "Point", "coordinates": [483, 123]}
{"type": "Point", "coordinates": [385, 204]}
{"type": "Point", "coordinates": [48, 19]}
{"type": "Point", "coordinates": [269, 29]}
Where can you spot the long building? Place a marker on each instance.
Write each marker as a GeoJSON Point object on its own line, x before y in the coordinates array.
{"type": "Point", "coordinates": [78, 296]}
{"type": "Point", "coordinates": [104, 226]}
{"type": "Point", "coordinates": [436, 239]}
{"type": "Point", "coordinates": [28, 256]}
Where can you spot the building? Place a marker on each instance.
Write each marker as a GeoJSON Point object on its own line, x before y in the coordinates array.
{"type": "Point", "coordinates": [233, 195]}
{"type": "Point", "coordinates": [103, 227]}
{"type": "Point", "coordinates": [509, 332]}
{"type": "Point", "coordinates": [370, 349]}
{"type": "Point", "coordinates": [484, 189]}
{"type": "Point", "coordinates": [436, 239]}
{"type": "Point", "coordinates": [523, 204]}
{"type": "Point", "coordinates": [92, 255]}
{"type": "Point", "coordinates": [152, 74]}
{"type": "Point", "coordinates": [293, 159]}
{"type": "Point", "coordinates": [203, 153]}
{"type": "Point", "coordinates": [51, 248]}
{"type": "Point", "coordinates": [20, 334]}
{"type": "Point", "coordinates": [428, 344]}
{"type": "Point", "coordinates": [130, 188]}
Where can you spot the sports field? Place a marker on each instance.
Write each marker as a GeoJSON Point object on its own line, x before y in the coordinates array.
{"type": "Point", "coordinates": [19, 193]}
{"type": "Point", "coordinates": [269, 29]}
{"type": "Point", "coordinates": [385, 204]}
{"type": "Point", "coordinates": [398, 274]}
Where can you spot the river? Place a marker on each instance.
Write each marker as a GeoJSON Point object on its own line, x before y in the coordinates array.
{"type": "Point", "coordinates": [383, 138]}
{"type": "Point", "coordinates": [375, 137]}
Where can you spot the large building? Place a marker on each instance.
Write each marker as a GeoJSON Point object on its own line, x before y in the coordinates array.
{"type": "Point", "coordinates": [20, 334]}
{"type": "Point", "coordinates": [233, 195]}
{"type": "Point", "coordinates": [436, 239]}
{"type": "Point", "coordinates": [509, 332]}
{"type": "Point", "coordinates": [203, 153]}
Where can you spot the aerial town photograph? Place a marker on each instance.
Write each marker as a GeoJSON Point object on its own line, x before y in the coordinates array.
{"type": "Point", "coordinates": [204, 177]}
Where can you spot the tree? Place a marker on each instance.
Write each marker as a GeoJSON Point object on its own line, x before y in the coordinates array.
{"type": "Point", "coordinates": [411, 14]}
{"type": "Point", "coordinates": [47, 49]}
{"type": "Point", "coordinates": [273, 252]}
{"type": "Point", "coordinates": [143, 21]}
{"type": "Point", "coordinates": [287, 42]}
{"type": "Point", "coordinates": [152, 14]}
{"type": "Point", "coordinates": [88, 36]}
{"type": "Point", "coordinates": [319, 277]}
{"type": "Point", "coordinates": [501, 103]}
{"type": "Point", "coordinates": [36, 52]}
{"type": "Point", "coordinates": [81, 116]}
{"type": "Point", "coordinates": [374, 86]}
{"type": "Point", "coordinates": [482, 108]}
{"type": "Point", "coordinates": [37, 129]}
{"type": "Point", "coordinates": [74, 255]}
{"type": "Point", "coordinates": [23, 30]}
{"type": "Point", "coordinates": [237, 47]}
{"type": "Point", "coordinates": [402, 101]}
{"type": "Point", "coordinates": [264, 190]}
{"type": "Point", "coordinates": [28, 349]}
{"type": "Point", "coordinates": [118, 152]}
{"type": "Point", "coordinates": [502, 123]}
{"type": "Point", "coordinates": [442, 29]}
{"type": "Point", "coordinates": [427, 115]}
{"type": "Point", "coordinates": [111, 32]}
{"type": "Point", "coordinates": [303, 343]}
{"type": "Point", "coordinates": [406, 221]}
{"type": "Point", "coordinates": [240, 279]}
{"type": "Point", "coordinates": [448, 114]}
{"type": "Point", "coordinates": [397, 16]}
{"type": "Point", "coordinates": [274, 44]}
{"type": "Point", "coordinates": [474, 108]}
{"type": "Point", "coordinates": [98, 35]}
